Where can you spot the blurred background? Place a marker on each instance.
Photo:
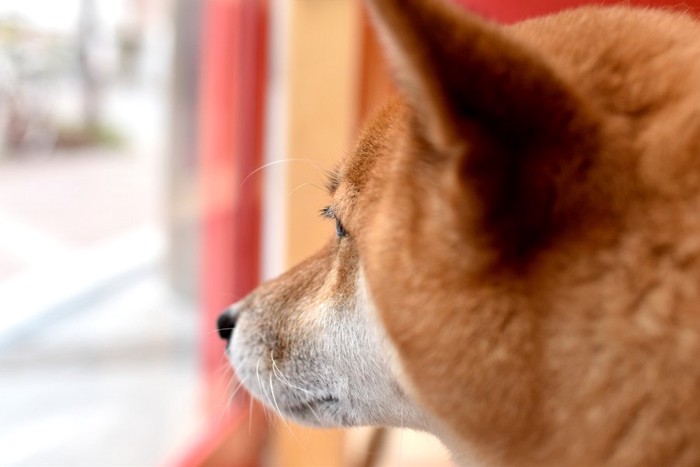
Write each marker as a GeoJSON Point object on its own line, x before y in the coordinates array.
{"type": "Point", "coordinates": [98, 351]}
{"type": "Point", "coordinates": [158, 159]}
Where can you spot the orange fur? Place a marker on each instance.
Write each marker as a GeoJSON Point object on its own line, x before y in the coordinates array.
{"type": "Point", "coordinates": [544, 277]}
{"type": "Point", "coordinates": [527, 219]}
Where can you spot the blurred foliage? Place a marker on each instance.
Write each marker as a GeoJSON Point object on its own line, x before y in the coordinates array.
{"type": "Point", "coordinates": [77, 136]}
{"type": "Point", "coordinates": [34, 53]}
{"type": "Point", "coordinates": [33, 63]}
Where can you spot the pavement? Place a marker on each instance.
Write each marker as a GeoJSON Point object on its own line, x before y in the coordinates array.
{"type": "Point", "coordinates": [97, 356]}
{"type": "Point", "coordinates": [111, 383]}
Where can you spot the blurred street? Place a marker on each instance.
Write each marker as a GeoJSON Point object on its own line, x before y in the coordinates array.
{"type": "Point", "coordinates": [94, 344]}
{"type": "Point", "coordinates": [98, 357]}
{"type": "Point", "coordinates": [113, 383]}
{"type": "Point", "coordinates": [95, 319]}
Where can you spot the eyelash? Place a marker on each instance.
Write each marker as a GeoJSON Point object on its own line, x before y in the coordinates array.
{"type": "Point", "coordinates": [327, 213]}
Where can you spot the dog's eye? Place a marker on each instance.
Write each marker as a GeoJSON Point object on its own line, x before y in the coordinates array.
{"type": "Point", "coordinates": [339, 229]}
{"type": "Point", "coordinates": [328, 213]}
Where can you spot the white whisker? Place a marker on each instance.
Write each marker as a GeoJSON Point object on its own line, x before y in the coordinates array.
{"type": "Point", "coordinates": [226, 409]}
{"type": "Point", "coordinates": [279, 412]}
{"type": "Point", "coordinates": [262, 390]}
{"type": "Point", "coordinates": [269, 164]}
{"type": "Point", "coordinates": [279, 378]}
{"type": "Point", "coordinates": [276, 369]}
{"type": "Point", "coordinates": [302, 186]}
{"type": "Point", "coordinates": [235, 391]}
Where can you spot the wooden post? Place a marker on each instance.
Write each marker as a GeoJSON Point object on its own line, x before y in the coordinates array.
{"type": "Point", "coordinates": [322, 107]}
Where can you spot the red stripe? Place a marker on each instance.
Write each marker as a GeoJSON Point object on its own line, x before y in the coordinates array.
{"type": "Point", "coordinates": [233, 89]}
{"type": "Point", "coordinates": [233, 68]}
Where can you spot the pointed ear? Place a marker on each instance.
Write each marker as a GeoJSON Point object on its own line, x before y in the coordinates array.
{"type": "Point", "coordinates": [469, 82]}
{"type": "Point", "coordinates": [457, 67]}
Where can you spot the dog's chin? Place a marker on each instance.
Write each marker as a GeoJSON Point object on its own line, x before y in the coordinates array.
{"type": "Point", "coordinates": [320, 413]}
{"type": "Point", "coordinates": [318, 409]}
{"type": "Point", "coordinates": [327, 408]}
{"type": "Point", "coordinates": [311, 406]}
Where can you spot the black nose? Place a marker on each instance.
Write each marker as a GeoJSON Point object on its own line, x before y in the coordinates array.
{"type": "Point", "coordinates": [226, 323]}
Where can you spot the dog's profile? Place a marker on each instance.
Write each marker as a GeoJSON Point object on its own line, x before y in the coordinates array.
{"type": "Point", "coordinates": [517, 260]}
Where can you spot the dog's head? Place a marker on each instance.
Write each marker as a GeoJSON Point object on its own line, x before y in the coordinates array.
{"type": "Point", "coordinates": [309, 343]}
{"type": "Point", "coordinates": [479, 219]}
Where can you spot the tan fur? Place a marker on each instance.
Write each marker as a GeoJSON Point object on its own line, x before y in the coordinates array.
{"type": "Point", "coordinates": [528, 221]}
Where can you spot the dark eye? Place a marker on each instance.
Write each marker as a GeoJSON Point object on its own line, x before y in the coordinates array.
{"type": "Point", "coordinates": [339, 229]}
{"type": "Point", "coordinates": [327, 213]}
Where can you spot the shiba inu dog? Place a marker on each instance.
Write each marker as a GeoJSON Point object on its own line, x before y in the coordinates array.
{"type": "Point", "coordinates": [516, 265]}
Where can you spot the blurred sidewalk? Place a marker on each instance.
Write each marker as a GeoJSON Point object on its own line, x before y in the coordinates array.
{"type": "Point", "coordinates": [71, 221]}
{"type": "Point", "coordinates": [97, 357]}
{"type": "Point", "coordinates": [113, 383]}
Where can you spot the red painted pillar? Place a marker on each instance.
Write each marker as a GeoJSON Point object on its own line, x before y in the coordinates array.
{"type": "Point", "coordinates": [219, 166]}
{"type": "Point", "coordinates": [232, 92]}
{"type": "Point", "coordinates": [231, 133]}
